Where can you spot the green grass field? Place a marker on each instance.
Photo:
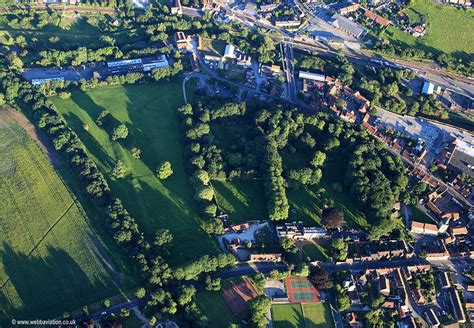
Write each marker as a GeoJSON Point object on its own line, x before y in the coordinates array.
{"type": "Point", "coordinates": [307, 202]}
{"type": "Point", "coordinates": [243, 201]}
{"type": "Point", "coordinates": [450, 29]}
{"type": "Point", "coordinates": [302, 316]}
{"type": "Point", "coordinates": [149, 111]}
{"type": "Point", "coordinates": [212, 47]}
{"type": "Point", "coordinates": [51, 259]}
{"type": "Point", "coordinates": [287, 315]}
{"type": "Point", "coordinates": [419, 215]}
{"type": "Point", "coordinates": [318, 315]}
{"type": "Point", "coordinates": [67, 29]}
{"type": "Point", "coordinates": [215, 308]}
{"type": "Point", "coordinates": [316, 252]}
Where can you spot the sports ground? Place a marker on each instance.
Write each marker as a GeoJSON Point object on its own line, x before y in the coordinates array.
{"type": "Point", "coordinates": [150, 113]}
{"type": "Point", "coordinates": [302, 315]}
{"type": "Point", "coordinates": [52, 260]}
{"type": "Point", "coordinates": [300, 290]}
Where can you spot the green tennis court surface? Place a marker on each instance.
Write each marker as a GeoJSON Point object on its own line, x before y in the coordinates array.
{"type": "Point", "coordinates": [304, 296]}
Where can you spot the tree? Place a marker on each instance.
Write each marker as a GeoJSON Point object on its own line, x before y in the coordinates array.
{"type": "Point", "coordinates": [341, 104]}
{"type": "Point", "coordinates": [331, 143]}
{"type": "Point", "coordinates": [119, 169]}
{"type": "Point", "coordinates": [332, 218]}
{"type": "Point", "coordinates": [186, 295]}
{"type": "Point", "coordinates": [392, 89]}
{"type": "Point", "coordinates": [120, 132]}
{"type": "Point", "coordinates": [163, 237]}
{"type": "Point", "coordinates": [376, 302]}
{"type": "Point", "coordinates": [140, 293]}
{"type": "Point", "coordinates": [287, 244]}
{"type": "Point", "coordinates": [339, 249]}
{"type": "Point", "coordinates": [259, 280]}
{"type": "Point", "coordinates": [320, 278]}
{"type": "Point", "coordinates": [201, 176]}
{"type": "Point", "coordinates": [213, 285]}
{"type": "Point", "coordinates": [205, 193]}
{"type": "Point", "coordinates": [259, 307]}
{"type": "Point", "coordinates": [135, 152]}
{"type": "Point", "coordinates": [164, 171]}
{"type": "Point", "coordinates": [343, 301]}
{"type": "Point", "coordinates": [15, 62]}
{"type": "Point", "coordinates": [318, 159]}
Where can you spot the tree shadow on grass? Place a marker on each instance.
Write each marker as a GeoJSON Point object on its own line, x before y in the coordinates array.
{"type": "Point", "coordinates": [45, 286]}
{"type": "Point", "coordinates": [155, 209]}
{"type": "Point", "coordinates": [91, 143]}
{"type": "Point", "coordinates": [293, 316]}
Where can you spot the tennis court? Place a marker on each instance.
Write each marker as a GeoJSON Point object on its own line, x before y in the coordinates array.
{"type": "Point", "coordinates": [301, 284]}
{"type": "Point", "coordinates": [300, 290]}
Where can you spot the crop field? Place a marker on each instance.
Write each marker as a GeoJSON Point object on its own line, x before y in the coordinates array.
{"type": "Point", "coordinates": [242, 201]}
{"type": "Point", "coordinates": [450, 29]}
{"type": "Point", "coordinates": [302, 316]}
{"type": "Point", "coordinates": [149, 112]}
{"type": "Point", "coordinates": [51, 259]}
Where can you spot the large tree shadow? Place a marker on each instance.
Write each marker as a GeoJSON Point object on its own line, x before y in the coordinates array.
{"type": "Point", "coordinates": [45, 286]}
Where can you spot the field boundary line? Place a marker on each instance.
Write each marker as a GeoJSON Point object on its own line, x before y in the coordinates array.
{"type": "Point", "coordinates": [42, 238]}
{"type": "Point", "coordinates": [302, 312]}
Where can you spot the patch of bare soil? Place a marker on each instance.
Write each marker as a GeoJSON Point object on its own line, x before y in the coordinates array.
{"type": "Point", "coordinates": [37, 135]}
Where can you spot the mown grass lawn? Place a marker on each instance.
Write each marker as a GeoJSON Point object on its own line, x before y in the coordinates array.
{"type": "Point", "coordinates": [307, 204]}
{"type": "Point", "coordinates": [287, 315]}
{"type": "Point", "coordinates": [302, 315]}
{"type": "Point", "coordinates": [450, 29]}
{"type": "Point", "coordinates": [214, 307]}
{"type": "Point", "coordinates": [212, 47]}
{"type": "Point", "coordinates": [150, 113]}
{"type": "Point", "coordinates": [318, 315]}
{"type": "Point", "coordinates": [419, 215]}
{"type": "Point", "coordinates": [51, 259]}
{"type": "Point", "coordinates": [316, 252]}
{"type": "Point", "coordinates": [242, 201]}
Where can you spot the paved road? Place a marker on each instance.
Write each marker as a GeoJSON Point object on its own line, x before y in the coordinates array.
{"type": "Point", "coordinates": [243, 270]}
{"type": "Point", "coordinates": [287, 58]}
{"type": "Point", "coordinates": [445, 79]}
{"type": "Point", "coordinates": [331, 267]}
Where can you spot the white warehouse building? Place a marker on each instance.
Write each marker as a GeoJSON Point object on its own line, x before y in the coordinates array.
{"type": "Point", "coordinates": [126, 62]}
{"type": "Point", "coordinates": [312, 76]}
{"type": "Point", "coordinates": [159, 63]}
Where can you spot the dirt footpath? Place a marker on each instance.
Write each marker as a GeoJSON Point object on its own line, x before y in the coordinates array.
{"type": "Point", "coordinates": [37, 135]}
